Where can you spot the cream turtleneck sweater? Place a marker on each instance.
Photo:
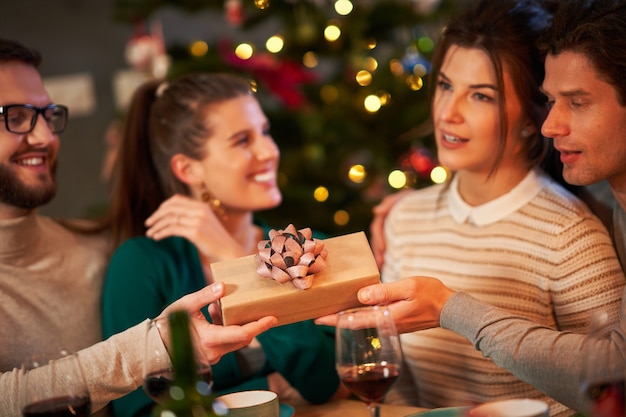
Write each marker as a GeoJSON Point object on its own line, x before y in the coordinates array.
{"type": "Point", "coordinates": [50, 289]}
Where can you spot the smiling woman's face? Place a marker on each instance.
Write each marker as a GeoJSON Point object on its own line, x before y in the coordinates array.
{"type": "Point", "coordinates": [466, 113]}
{"type": "Point", "coordinates": [242, 159]}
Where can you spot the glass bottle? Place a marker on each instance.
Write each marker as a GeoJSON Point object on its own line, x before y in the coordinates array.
{"type": "Point", "coordinates": [188, 395]}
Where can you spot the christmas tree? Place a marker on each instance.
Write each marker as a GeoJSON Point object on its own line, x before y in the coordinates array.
{"type": "Point", "coordinates": [345, 86]}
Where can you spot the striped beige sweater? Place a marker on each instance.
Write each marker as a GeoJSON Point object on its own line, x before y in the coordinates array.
{"type": "Point", "coordinates": [536, 251]}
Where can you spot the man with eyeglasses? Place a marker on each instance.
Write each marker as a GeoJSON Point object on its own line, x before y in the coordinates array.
{"type": "Point", "coordinates": [50, 276]}
{"type": "Point", "coordinates": [21, 118]}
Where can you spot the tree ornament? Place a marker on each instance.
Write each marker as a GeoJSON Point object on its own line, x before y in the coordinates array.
{"type": "Point", "coordinates": [139, 52]}
{"type": "Point", "coordinates": [234, 12]}
{"type": "Point", "coordinates": [414, 63]}
{"type": "Point", "coordinates": [422, 161]}
{"type": "Point", "coordinates": [145, 51]}
{"type": "Point", "coordinates": [262, 4]}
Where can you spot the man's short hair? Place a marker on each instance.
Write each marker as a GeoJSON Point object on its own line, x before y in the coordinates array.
{"type": "Point", "coordinates": [14, 51]}
{"type": "Point", "coordinates": [597, 30]}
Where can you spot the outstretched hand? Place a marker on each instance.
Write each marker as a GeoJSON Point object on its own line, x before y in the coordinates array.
{"type": "Point", "coordinates": [215, 339]}
{"type": "Point", "coordinates": [415, 302]}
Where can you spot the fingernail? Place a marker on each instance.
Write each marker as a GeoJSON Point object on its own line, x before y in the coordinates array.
{"type": "Point", "coordinates": [217, 287]}
{"type": "Point", "coordinates": [365, 295]}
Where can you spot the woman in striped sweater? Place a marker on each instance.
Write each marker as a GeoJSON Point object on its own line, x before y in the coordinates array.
{"type": "Point", "coordinates": [501, 229]}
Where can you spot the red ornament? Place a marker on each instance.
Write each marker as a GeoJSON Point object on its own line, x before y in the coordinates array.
{"type": "Point", "coordinates": [234, 12]}
{"type": "Point", "coordinates": [421, 160]}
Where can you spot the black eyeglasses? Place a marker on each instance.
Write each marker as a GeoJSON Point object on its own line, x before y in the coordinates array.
{"type": "Point", "coordinates": [21, 118]}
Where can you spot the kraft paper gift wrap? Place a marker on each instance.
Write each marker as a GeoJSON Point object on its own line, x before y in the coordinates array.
{"type": "Point", "coordinates": [350, 265]}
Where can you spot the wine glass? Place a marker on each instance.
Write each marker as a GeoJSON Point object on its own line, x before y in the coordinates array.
{"type": "Point", "coordinates": [603, 393]}
{"type": "Point", "coordinates": [158, 372]}
{"type": "Point", "coordinates": [368, 354]}
{"type": "Point", "coordinates": [54, 385]}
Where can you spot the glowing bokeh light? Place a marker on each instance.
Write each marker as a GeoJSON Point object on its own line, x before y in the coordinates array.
{"type": "Point", "coordinates": [262, 4]}
{"type": "Point", "coordinates": [397, 179]}
{"type": "Point", "coordinates": [198, 48]}
{"type": "Point", "coordinates": [396, 67]}
{"type": "Point", "coordinates": [254, 87]}
{"type": "Point", "coordinates": [420, 70]}
{"type": "Point", "coordinates": [425, 44]}
{"type": "Point", "coordinates": [372, 103]}
{"type": "Point", "coordinates": [320, 194]}
{"type": "Point", "coordinates": [414, 83]}
{"type": "Point", "coordinates": [371, 64]}
{"type": "Point", "coordinates": [385, 97]}
{"type": "Point", "coordinates": [310, 59]}
{"type": "Point", "coordinates": [363, 78]}
{"type": "Point", "coordinates": [332, 32]}
{"type": "Point", "coordinates": [357, 173]}
{"type": "Point", "coordinates": [275, 44]}
{"type": "Point", "coordinates": [244, 51]}
{"type": "Point", "coordinates": [329, 93]}
{"type": "Point", "coordinates": [343, 7]}
{"type": "Point", "coordinates": [439, 175]}
{"type": "Point", "coordinates": [341, 217]}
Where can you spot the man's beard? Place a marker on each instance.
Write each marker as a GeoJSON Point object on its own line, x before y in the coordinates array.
{"type": "Point", "coordinates": [13, 192]}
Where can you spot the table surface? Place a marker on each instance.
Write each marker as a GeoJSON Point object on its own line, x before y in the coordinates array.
{"type": "Point", "coordinates": [352, 408]}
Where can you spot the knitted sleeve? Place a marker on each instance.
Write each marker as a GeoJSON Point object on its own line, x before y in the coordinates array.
{"type": "Point", "coordinates": [548, 359]}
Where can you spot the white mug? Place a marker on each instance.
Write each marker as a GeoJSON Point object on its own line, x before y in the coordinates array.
{"type": "Point", "coordinates": [511, 408]}
{"type": "Point", "coordinates": [257, 403]}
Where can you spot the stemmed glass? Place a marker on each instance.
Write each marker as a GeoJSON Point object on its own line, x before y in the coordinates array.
{"type": "Point", "coordinates": [368, 354]}
{"type": "Point", "coordinates": [603, 393]}
{"type": "Point", "coordinates": [158, 373]}
{"type": "Point", "coordinates": [54, 386]}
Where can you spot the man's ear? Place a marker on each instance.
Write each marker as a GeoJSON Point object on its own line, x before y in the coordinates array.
{"type": "Point", "coordinates": [187, 170]}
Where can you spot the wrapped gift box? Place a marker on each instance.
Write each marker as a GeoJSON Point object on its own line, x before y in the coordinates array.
{"type": "Point", "coordinates": [350, 265]}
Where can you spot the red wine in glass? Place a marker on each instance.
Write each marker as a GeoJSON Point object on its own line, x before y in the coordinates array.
{"type": "Point", "coordinates": [158, 371]}
{"type": "Point", "coordinates": [607, 398]}
{"type": "Point", "coordinates": [368, 354]}
{"type": "Point", "coordinates": [370, 383]}
{"type": "Point", "coordinates": [157, 384]}
{"type": "Point", "coordinates": [59, 407]}
{"type": "Point", "coordinates": [604, 394]}
{"type": "Point", "coordinates": [54, 386]}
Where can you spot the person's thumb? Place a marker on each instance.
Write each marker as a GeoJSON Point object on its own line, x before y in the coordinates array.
{"type": "Point", "coordinates": [387, 293]}
{"type": "Point", "coordinates": [193, 302]}
{"type": "Point", "coordinates": [373, 294]}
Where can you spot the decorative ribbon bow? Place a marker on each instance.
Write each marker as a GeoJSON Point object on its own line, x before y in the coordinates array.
{"type": "Point", "coordinates": [291, 255]}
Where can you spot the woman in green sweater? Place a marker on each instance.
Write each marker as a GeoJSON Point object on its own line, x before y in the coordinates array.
{"type": "Point", "coordinates": [196, 161]}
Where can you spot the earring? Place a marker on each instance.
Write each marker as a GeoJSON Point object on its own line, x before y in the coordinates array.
{"type": "Point", "coordinates": [215, 204]}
